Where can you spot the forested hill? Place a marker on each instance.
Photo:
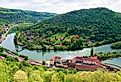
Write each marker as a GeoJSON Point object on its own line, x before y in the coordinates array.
{"type": "Point", "coordinates": [99, 25]}
{"type": "Point", "coordinates": [16, 15]}
{"type": "Point", "coordinates": [84, 22]}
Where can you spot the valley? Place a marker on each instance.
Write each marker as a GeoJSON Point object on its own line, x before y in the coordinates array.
{"type": "Point", "coordinates": [77, 46]}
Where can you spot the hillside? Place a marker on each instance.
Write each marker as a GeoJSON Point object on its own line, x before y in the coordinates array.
{"type": "Point", "coordinates": [74, 30]}
{"type": "Point", "coordinates": [17, 16]}
{"type": "Point", "coordinates": [13, 71]}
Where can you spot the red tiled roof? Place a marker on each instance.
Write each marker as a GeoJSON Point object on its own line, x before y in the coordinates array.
{"type": "Point", "coordinates": [88, 59]}
{"type": "Point", "coordinates": [2, 58]}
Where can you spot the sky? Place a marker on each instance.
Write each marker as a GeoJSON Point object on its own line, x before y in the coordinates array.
{"type": "Point", "coordinates": [60, 6]}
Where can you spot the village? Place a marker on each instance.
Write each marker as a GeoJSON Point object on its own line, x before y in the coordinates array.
{"type": "Point", "coordinates": [79, 63]}
{"type": "Point", "coordinates": [90, 63]}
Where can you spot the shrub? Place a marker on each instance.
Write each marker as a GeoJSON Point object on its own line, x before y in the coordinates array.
{"type": "Point", "coordinates": [20, 76]}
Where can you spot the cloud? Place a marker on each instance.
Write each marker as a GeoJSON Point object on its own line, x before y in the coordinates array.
{"type": "Point", "coordinates": [60, 6]}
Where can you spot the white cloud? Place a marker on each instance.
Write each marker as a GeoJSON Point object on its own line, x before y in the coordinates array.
{"type": "Point", "coordinates": [60, 6]}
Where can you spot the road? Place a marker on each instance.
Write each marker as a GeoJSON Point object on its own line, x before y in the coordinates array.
{"type": "Point", "coordinates": [4, 35]}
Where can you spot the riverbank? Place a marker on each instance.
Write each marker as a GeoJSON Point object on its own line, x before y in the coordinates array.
{"type": "Point", "coordinates": [116, 45]}
{"type": "Point", "coordinates": [10, 54]}
{"type": "Point", "coordinates": [3, 37]}
{"type": "Point", "coordinates": [59, 41]}
{"type": "Point", "coordinates": [24, 72]}
{"type": "Point", "coordinates": [46, 55]}
{"type": "Point", "coordinates": [105, 56]}
{"type": "Point", "coordinates": [5, 53]}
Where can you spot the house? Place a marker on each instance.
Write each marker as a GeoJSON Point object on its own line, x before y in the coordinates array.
{"type": "Point", "coordinates": [20, 59]}
{"type": "Point", "coordinates": [56, 61]}
{"type": "Point", "coordinates": [76, 36]}
{"type": "Point", "coordinates": [84, 63]}
{"type": "Point", "coordinates": [2, 58]}
{"type": "Point", "coordinates": [33, 62]}
{"type": "Point", "coordinates": [79, 63]}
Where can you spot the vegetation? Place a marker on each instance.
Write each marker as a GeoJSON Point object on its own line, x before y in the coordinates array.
{"type": "Point", "coordinates": [13, 71]}
{"type": "Point", "coordinates": [55, 42]}
{"type": "Point", "coordinates": [70, 31]}
{"type": "Point", "coordinates": [105, 56]}
{"type": "Point", "coordinates": [116, 45]}
{"type": "Point", "coordinates": [15, 53]}
{"type": "Point", "coordinates": [18, 16]}
{"type": "Point", "coordinates": [75, 30]}
{"type": "Point", "coordinates": [20, 27]}
{"type": "Point", "coordinates": [92, 52]}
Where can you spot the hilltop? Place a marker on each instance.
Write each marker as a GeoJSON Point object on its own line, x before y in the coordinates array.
{"type": "Point", "coordinates": [18, 16]}
{"type": "Point", "coordinates": [74, 30]}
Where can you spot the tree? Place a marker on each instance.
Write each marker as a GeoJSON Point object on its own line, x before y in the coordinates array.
{"type": "Point", "coordinates": [76, 45]}
{"type": "Point", "coordinates": [1, 49]}
{"type": "Point", "coordinates": [20, 76]}
{"type": "Point", "coordinates": [92, 52]}
{"type": "Point", "coordinates": [35, 77]}
{"type": "Point", "coordinates": [58, 77]}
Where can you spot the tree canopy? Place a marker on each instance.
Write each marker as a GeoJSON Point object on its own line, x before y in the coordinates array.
{"type": "Point", "coordinates": [18, 16]}
{"type": "Point", "coordinates": [98, 25]}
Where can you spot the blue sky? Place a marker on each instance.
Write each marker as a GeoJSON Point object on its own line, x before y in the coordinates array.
{"type": "Point", "coordinates": [60, 6]}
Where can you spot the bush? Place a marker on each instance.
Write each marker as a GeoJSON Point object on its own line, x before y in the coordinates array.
{"type": "Point", "coordinates": [116, 45]}
{"type": "Point", "coordinates": [20, 76]}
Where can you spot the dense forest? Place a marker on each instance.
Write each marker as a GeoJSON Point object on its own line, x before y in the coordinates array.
{"type": "Point", "coordinates": [18, 16]}
{"type": "Point", "coordinates": [74, 30]}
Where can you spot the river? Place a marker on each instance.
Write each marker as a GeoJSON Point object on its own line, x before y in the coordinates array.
{"type": "Point", "coordinates": [40, 55]}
